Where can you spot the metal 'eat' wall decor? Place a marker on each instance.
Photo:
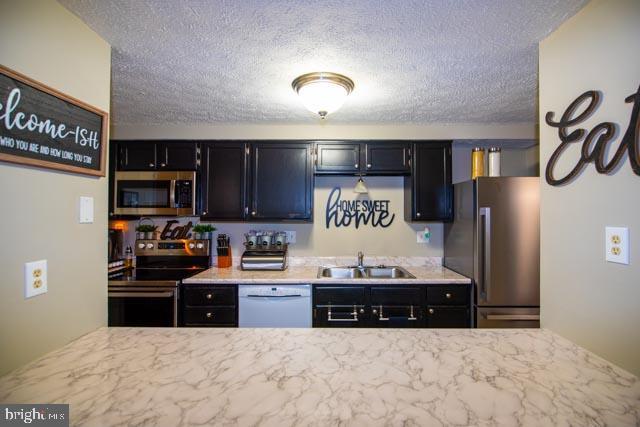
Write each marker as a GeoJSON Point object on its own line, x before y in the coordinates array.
{"type": "Point", "coordinates": [594, 146]}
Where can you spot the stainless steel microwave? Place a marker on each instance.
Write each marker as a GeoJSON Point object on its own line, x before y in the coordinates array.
{"type": "Point", "coordinates": [155, 193]}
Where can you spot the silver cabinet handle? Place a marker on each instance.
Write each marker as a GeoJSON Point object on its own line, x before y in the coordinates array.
{"type": "Point", "coordinates": [354, 315]}
{"type": "Point", "coordinates": [431, 311]}
{"type": "Point", "coordinates": [511, 317]}
{"type": "Point", "coordinates": [381, 316]}
{"type": "Point", "coordinates": [162, 165]}
{"type": "Point", "coordinates": [485, 287]}
{"type": "Point", "coordinates": [447, 295]}
{"type": "Point", "coordinates": [204, 212]}
{"type": "Point", "coordinates": [355, 166]}
{"type": "Point", "coordinates": [209, 315]}
{"type": "Point", "coordinates": [246, 210]}
{"type": "Point", "coordinates": [368, 165]}
{"type": "Point", "coordinates": [151, 165]}
{"type": "Point", "coordinates": [209, 296]}
{"type": "Point", "coordinates": [418, 214]}
{"type": "Point", "coordinates": [253, 213]}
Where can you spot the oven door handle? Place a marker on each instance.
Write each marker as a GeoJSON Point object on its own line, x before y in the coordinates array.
{"type": "Point", "coordinates": [167, 294]}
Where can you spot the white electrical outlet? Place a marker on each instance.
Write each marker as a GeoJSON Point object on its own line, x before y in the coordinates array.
{"type": "Point", "coordinates": [35, 278]}
{"type": "Point", "coordinates": [86, 210]}
{"type": "Point", "coordinates": [291, 236]}
{"type": "Point", "coordinates": [617, 244]}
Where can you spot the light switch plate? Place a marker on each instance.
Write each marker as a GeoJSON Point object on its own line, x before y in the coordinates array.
{"type": "Point", "coordinates": [35, 278]}
{"type": "Point", "coordinates": [617, 244]}
{"type": "Point", "coordinates": [86, 210]}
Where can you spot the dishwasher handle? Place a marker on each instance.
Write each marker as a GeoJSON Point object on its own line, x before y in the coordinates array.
{"type": "Point", "coordinates": [274, 296]}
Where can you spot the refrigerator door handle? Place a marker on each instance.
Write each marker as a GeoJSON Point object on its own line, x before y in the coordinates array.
{"type": "Point", "coordinates": [485, 288]}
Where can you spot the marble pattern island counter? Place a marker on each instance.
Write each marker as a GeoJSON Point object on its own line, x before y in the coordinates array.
{"type": "Point", "coordinates": [193, 377]}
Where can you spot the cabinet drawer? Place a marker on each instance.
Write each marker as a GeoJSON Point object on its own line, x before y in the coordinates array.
{"type": "Point", "coordinates": [339, 295]}
{"type": "Point", "coordinates": [223, 316]}
{"type": "Point", "coordinates": [447, 295]}
{"type": "Point", "coordinates": [447, 317]}
{"type": "Point", "coordinates": [211, 296]}
{"type": "Point", "coordinates": [396, 295]}
{"type": "Point", "coordinates": [340, 316]}
{"type": "Point", "coordinates": [397, 316]}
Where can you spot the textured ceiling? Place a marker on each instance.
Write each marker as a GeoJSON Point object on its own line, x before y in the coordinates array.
{"type": "Point", "coordinates": [439, 61]}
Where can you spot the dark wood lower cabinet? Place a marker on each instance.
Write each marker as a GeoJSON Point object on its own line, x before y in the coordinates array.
{"type": "Point", "coordinates": [391, 306]}
{"type": "Point", "coordinates": [212, 306]}
{"type": "Point", "coordinates": [447, 317]}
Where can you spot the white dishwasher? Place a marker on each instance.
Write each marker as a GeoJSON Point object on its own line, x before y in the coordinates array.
{"type": "Point", "coordinates": [279, 306]}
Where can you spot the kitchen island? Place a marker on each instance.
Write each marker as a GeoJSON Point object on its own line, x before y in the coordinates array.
{"type": "Point", "coordinates": [158, 376]}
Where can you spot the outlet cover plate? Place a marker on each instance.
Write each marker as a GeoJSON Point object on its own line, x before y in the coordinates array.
{"type": "Point", "coordinates": [35, 278]}
{"type": "Point", "coordinates": [291, 237]}
{"type": "Point", "coordinates": [617, 244]}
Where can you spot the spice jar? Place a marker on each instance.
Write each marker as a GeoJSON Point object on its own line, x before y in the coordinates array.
{"type": "Point", "coordinates": [477, 162]}
{"type": "Point", "coordinates": [494, 161]}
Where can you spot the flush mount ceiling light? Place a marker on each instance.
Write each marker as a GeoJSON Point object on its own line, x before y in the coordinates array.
{"type": "Point", "coordinates": [323, 93]}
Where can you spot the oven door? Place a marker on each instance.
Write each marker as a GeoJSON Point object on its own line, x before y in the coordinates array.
{"type": "Point", "coordinates": [155, 307]}
{"type": "Point", "coordinates": [154, 193]}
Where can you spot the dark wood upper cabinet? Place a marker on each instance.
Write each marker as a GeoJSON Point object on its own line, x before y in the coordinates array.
{"type": "Point", "coordinates": [177, 156]}
{"type": "Point", "coordinates": [224, 181]}
{"type": "Point", "coordinates": [161, 155]}
{"type": "Point", "coordinates": [367, 158]}
{"type": "Point", "coordinates": [428, 190]}
{"type": "Point", "coordinates": [138, 156]}
{"type": "Point", "coordinates": [337, 158]}
{"type": "Point", "coordinates": [281, 181]}
{"type": "Point", "coordinates": [387, 158]}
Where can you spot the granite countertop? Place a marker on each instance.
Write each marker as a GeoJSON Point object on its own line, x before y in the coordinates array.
{"type": "Point", "coordinates": [309, 274]}
{"type": "Point", "coordinates": [189, 377]}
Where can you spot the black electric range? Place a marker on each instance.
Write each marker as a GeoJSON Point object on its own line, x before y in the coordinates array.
{"type": "Point", "coordinates": [149, 294]}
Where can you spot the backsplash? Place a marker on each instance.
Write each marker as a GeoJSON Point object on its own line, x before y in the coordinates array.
{"type": "Point", "coordinates": [317, 240]}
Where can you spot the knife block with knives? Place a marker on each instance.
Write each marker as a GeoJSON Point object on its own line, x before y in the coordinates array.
{"type": "Point", "coordinates": [224, 251]}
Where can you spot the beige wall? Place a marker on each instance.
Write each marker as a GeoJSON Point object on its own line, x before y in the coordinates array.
{"type": "Point", "coordinates": [399, 239]}
{"type": "Point", "coordinates": [43, 40]}
{"type": "Point", "coordinates": [593, 303]}
{"type": "Point", "coordinates": [325, 130]}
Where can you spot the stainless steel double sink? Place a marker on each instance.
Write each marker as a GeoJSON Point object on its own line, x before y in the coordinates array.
{"type": "Point", "coordinates": [355, 272]}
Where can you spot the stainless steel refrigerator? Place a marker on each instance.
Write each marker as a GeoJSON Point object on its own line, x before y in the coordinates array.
{"type": "Point", "coordinates": [495, 240]}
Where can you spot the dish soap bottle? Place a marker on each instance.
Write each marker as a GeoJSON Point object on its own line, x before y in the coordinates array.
{"type": "Point", "coordinates": [128, 258]}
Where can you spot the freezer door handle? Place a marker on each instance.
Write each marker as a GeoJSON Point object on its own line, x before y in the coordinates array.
{"type": "Point", "coordinates": [485, 287]}
{"type": "Point", "coordinates": [511, 317]}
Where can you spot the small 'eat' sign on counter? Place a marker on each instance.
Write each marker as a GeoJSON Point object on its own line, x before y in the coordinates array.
{"type": "Point", "coordinates": [40, 126]}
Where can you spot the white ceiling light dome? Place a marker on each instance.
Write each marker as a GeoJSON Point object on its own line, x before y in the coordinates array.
{"type": "Point", "coordinates": [323, 92]}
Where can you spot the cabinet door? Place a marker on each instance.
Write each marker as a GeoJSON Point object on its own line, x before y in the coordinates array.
{"type": "Point", "coordinates": [337, 158]}
{"type": "Point", "coordinates": [224, 181]}
{"type": "Point", "coordinates": [139, 156]}
{"type": "Point", "coordinates": [387, 158]}
{"type": "Point", "coordinates": [282, 181]}
{"type": "Point", "coordinates": [339, 307]}
{"type": "Point", "coordinates": [177, 156]}
{"type": "Point", "coordinates": [447, 317]}
{"type": "Point", "coordinates": [428, 191]}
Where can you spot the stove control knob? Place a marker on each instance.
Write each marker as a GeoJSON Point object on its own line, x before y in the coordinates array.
{"type": "Point", "coordinates": [149, 245]}
{"type": "Point", "coordinates": [192, 245]}
{"type": "Point", "coordinates": [200, 245]}
{"type": "Point", "coordinates": [141, 245]}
